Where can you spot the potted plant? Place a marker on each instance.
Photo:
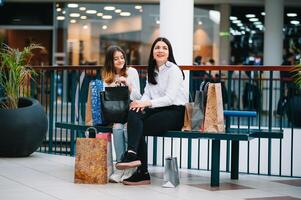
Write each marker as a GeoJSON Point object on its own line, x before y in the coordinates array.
{"type": "Point", "coordinates": [294, 101]}
{"type": "Point", "coordinates": [23, 121]}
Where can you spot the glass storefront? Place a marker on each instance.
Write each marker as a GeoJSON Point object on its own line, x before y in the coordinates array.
{"type": "Point", "coordinates": [79, 33]}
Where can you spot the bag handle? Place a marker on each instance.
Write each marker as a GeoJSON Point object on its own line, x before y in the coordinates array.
{"type": "Point", "coordinates": [89, 134]}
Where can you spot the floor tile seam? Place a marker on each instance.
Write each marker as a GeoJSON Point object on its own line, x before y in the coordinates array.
{"type": "Point", "coordinates": [33, 188]}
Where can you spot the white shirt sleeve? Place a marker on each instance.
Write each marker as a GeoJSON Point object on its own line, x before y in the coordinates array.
{"type": "Point", "coordinates": [133, 79]}
{"type": "Point", "coordinates": [146, 95]}
{"type": "Point", "coordinates": [174, 82]}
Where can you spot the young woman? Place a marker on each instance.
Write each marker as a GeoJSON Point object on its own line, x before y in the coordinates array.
{"type": "Point", "coordinates": [161, 108]}
{"type": "Point", "coordinates": [114, 73]}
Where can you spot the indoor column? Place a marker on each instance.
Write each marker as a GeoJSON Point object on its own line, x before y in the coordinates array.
{"type": "Point", "coordinates": [273, 35]}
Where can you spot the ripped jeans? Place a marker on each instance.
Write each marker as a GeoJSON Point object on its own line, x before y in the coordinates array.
{"type": "Point", "coordinates": [120, 139]}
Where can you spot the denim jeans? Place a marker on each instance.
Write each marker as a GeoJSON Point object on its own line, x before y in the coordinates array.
{"type": "Point", "coordinates": [120, 139]}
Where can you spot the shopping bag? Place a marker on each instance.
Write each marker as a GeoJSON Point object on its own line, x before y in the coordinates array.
{"type": "Point", "coordinates": [115, 103]}
{"type": "Point", "coordinates": [171, 173]}
{"type": "Point", "coordinates": [187, 117]}
{"type": "Point", "coordinates": [197, 115]}
{"type": "Point", "coordinates": [91, 161]}
{"type": "Point", "coordinates": [194, 111]}
{"type": "Point", "coordinates": [214, 117]}
{"type": "Point", "coordinates": [94, 112]}
{"type": "Point", "coordinates": [108, 136]}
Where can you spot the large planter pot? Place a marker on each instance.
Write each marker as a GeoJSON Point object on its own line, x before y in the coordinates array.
{"type": "Point", "coordinates": [22, 130]}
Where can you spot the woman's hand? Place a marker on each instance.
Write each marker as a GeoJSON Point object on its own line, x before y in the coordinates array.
{"type": "Point", "coordinates": [122, 81]}
{"type": "Point", "coordinates": [139, 105]}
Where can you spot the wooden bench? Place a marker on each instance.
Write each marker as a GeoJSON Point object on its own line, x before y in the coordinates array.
{"type": "Point", "coordinates": [233, 135]}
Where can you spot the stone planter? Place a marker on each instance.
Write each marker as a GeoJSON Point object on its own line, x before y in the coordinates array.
{"type": "Point", "coordinates": [22, 130]}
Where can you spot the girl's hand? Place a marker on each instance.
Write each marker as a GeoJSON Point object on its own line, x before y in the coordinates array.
{"type": "Point", "coordinates": [139, 105]}
{"type": "Point", "coordinates": [122, 80]}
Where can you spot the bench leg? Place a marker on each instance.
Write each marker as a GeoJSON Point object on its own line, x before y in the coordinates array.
{"type": "Point", "coordinates": [215, 162]}
{"type": "Point", "coordinates": [234, 159]}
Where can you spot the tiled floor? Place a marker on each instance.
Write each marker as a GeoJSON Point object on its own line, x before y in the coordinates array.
{"type": "Point", "coordinates": [50, 177]}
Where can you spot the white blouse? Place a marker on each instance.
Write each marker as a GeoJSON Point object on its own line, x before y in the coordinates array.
{"type": "Point", "coordinates": [169, 89]}
{"type": "Point", "coordinates": [132, 80]}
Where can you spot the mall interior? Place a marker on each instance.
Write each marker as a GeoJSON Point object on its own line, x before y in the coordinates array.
{"type": "Point", "coordinates": [249, 46]}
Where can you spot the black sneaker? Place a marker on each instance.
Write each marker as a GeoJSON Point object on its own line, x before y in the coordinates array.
{"type": "Point", "coordinates": [138, 178]}
{"type": "Point", "coordinates": [129, 160]}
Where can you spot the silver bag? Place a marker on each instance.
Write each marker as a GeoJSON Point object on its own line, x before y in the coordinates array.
{"type": "Point", "coordinates": [171, 173]}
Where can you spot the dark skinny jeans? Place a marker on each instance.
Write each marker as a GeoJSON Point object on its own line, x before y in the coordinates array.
{"type": "Point", "coordinates": [153, 122]}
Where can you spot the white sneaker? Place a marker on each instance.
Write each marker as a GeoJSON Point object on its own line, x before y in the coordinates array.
{"type": "Point", "coordinates": [116, 176]}
{"type": "Point", "coordinates": [128, 173]}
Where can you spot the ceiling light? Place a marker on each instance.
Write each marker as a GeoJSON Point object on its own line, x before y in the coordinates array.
{"type": "Point", "coordinates": [138, 7]}
{"type": "Point", "coordinates": [250, 15]}
{"type": "Point", "coordinates": [99, 14]}
{"type": "Point", "coordinates": [263, 13]}
{"type": "Point", "coordinates": [200, 22]}
{"type": "Point", "coordinates": [141, 10]}
{"type": "Point", "coordinates": [253, 19]}
{"type": "Point", "coordinates": [107, 17]}
{"type": "Point", "coordinates": [64, 12]}
{"type": "Point", "coordinates": [236, 21]}
{"type": "Point", "coordinates": [240, 24]}
{"type": "Point", "coordinates": [82, 8]}
{"type": "Point", "coordinates": [104, 27]}
{"type": "Point", "coordinates": [91, 11]}
{"type": "Point", "coordinates": [295, 22]}
{"type": "Point", "coordinates": [109, 8]}
{"type": "Point", "coordinates": [72, 21]}
{"type": "Point", "coordinates": [60, 17]}
{"type": "Point", "coordinates": [72, 5]}
{"type": "Point", "coordinates": [74, 15]}
{"type": "Point", "coordinates": [291, 14]}
{"type": "Point", "coordinates": [157, 21]}
{"type": "Point", "coordinates": [58, 9]}
{"type": "Point", "coordinates": [125, 14]}
{"type": "Point", "coordinates": [118, 11]}
{"type": "Point", "coordinates": [258, 22]}
{"type": "Point", "coordinates": [83, 17]}
{"type": "Point", "coordinates": [233, 18]}
{"type": "Point", "coordinates": [85, 27]}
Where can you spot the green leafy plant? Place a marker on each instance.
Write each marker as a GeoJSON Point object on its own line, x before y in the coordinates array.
{"type": "Point", "coordinates": [14, 71]}
{"type": "Point", "coordinates": [297, 75]}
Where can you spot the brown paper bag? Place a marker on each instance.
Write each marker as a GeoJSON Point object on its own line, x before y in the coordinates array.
{"type": "Point", "coordinates": [214, 114]}
{"type": "Point", "coordinates": [91, 161]}
{"type": "Point", "coordinates": [187, 117]}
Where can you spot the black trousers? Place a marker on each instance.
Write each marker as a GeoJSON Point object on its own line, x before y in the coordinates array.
{"type": "Point", "coordinates": [151, 121]}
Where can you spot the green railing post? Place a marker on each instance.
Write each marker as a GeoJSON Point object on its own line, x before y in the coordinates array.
{"type": "Point", "coordinates": [270, 121]}
{"type": "Point", "coordinates": [51, 106]}
{"type": "Point", "coordinates": [73, 91]}
{"type": "Point", "coordinates": [155, 146]}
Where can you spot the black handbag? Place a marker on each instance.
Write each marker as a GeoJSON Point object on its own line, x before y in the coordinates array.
{"type": "Point", "coordinates": [115, 104]}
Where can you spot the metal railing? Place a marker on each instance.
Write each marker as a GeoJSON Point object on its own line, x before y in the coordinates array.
{"type": "Point", "coordinates": [63, 93]}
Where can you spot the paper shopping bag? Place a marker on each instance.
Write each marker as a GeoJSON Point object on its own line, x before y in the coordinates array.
{"type": "Point", "coordinates": [91, 161]}
{"type": "Point", "coordinates": [214, 114]}
{"type": "Point", "coordinates": [197, 115]}
{"type": "Point", "coordinates": [108, 136]}
{"type": "Point", "coordinates": [171, 172]}
{"type": "Point", "coordinates": [187, 117]}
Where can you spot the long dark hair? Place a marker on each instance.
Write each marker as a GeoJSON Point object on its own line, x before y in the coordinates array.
{"type": "Point", "coordinates": [151, 74]}
{"type": "Point", "coordinates": [108, 72]}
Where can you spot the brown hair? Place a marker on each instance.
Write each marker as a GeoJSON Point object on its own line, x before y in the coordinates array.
{"type": "Point", "coordinates": [109, 71]}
